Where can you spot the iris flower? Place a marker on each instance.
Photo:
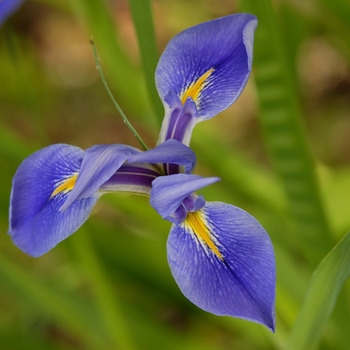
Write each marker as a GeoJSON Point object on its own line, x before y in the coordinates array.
{"type": "Point", "coordinates": [220, 256]}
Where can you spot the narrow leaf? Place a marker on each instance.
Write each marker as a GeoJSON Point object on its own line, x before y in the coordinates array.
{"type": "Point", "coordinates": [46, 300]}
{"type": "Point", "coordinates": [104, 295]}
{"type": "Point", "coordinates": [324, 288]}
{"type": "Point", "coordinates": [281, 120]}
{"type": "Point", "coordinates": [142, 16]}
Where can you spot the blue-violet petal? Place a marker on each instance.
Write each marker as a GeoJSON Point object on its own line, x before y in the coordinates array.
{"type": "Point", "coordinates": [170, 152]}
{"type": "Point", "coordinates": [168, 192]}
{"type": "Point", "coordinates": [209, 63]}
{"type": "Point", "coordinates": [223, 261]}
{"type": "Point", "coordinates": [100, 162]}
{"type": "Point", "coordinates": [39, 188]}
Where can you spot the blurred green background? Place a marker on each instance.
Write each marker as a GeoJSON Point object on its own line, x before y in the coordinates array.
{"type": "Point", "coordinates": [282, 152]}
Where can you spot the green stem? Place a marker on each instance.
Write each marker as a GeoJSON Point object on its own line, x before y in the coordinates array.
{"type": "Point", "coordinates": [104, 81]}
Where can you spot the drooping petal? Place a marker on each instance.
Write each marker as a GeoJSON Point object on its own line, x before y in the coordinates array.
{"type": "Point", "coordinates": [209, 63]}
{"type": "Point", "coordinates": [223, 261]}
{"type": "Point", "coordinates": [168, 192]}
{"type": "Point", "coordinates": [99, 164]}
{"type": "Point", "coordinates": [40, 186]}
{"type": "Point", "coordinates": [7, 8]}
{"type": "Point", "coordinates": [171, 151]}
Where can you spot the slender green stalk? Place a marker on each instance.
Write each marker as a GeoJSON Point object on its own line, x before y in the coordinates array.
{"type": "Point", "coordinates": [142, 17]}
{"type": "Point", "coordinates": [104, 81]}
{"type": "Point", "coordinates": [97, 17]}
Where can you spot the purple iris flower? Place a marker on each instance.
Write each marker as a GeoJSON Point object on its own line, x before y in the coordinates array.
{"type": "Point", "coordinates": [220, 256]}
{"type": "Point", "coordinates": [7, 8]}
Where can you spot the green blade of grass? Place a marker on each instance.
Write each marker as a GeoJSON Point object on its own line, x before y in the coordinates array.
{"type": "Point", "coordinates": [327, 281]}
{"type": "Point", "coordinates": [106, 299]}
{"type": "Point", "coordinates": [142, 17]}
{"type": "Point", "coordinates": [281, 121]}
{"type": "Point", "coordinates": [69, 314]}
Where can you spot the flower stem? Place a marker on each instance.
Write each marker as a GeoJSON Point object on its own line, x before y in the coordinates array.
{"type": "Point", "coordinates": [104, 81]}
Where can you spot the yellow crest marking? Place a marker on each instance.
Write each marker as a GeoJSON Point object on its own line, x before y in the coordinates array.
{"type": "Point", "coordinates": [66, 186]}
{"type": "Point", "coordinates": [197, 224]}
{"type": "Point", "coordinates": [196, 87]}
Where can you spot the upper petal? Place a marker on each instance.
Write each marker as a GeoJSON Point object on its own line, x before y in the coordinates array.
{"type": "Point", "coordinates": [209, 63]}
{"type": "Point", "coordinates": [39, 187]}
{"type": "Point", "coordinates": [223, 261]}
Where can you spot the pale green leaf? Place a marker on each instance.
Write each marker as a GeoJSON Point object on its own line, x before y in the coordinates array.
{"type": "Point", "coordinates": [327, 281]}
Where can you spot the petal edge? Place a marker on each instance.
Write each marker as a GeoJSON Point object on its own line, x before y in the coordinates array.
{"type": "Point", "coordinates": [243, 283]}
{"type": "Point", "coordinates": [36, 225]}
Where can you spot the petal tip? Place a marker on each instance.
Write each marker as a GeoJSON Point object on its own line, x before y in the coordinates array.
{"type": "Point", "coordinates": [215, 51]}
{"type": "Point", "coordinates": [240, 284]}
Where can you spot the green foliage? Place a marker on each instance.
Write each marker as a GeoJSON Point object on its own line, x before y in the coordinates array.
{"type": "Point", "coordinates": [281, 120]}
{"type": "Point", "coordinates": [142, 17]}
{"type": "Point", "coordinates": [109, 286]}
{"type": "Point", "coordinates": [325, 285]}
